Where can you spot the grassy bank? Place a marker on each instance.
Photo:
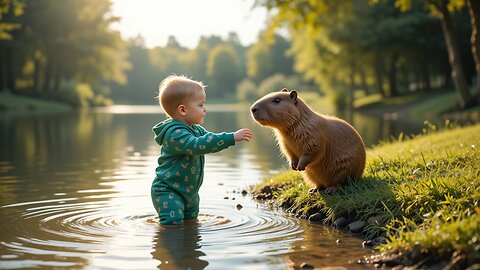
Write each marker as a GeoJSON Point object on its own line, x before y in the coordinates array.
{"type": "Point", "coordinates": [424, 104]}
{"type": "Point", "coordinates": [10, 102]}
{"type": "Point", "coordinates": [422, 194]}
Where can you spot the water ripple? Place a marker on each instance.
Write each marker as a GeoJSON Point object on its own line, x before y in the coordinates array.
{"type": "Point", "coordinates": [65, 227]}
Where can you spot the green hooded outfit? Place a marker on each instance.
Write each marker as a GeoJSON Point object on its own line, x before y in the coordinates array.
{"type": "Point", "coordinates": [179, 173]}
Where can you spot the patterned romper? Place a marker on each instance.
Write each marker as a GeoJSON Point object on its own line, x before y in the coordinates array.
{"type": "Point", "coordinates": [179, 174]}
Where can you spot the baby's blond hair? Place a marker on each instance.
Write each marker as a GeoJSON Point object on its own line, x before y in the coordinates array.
{"type": "Point", "coordinates": [175, 90]}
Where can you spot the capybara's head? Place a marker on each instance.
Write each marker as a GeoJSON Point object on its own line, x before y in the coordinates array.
{"type": "Point", "coordinates": [277, 109]}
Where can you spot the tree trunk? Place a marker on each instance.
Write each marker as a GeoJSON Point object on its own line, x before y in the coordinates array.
{"type": "Point", "coordinates": [379, 70]}
{"type": "Point", "coordinates": [9, 70]}
{"type": "Point", "coordinates": [392, 76]}
{"type": "Point", "coordinates": [57, 76]}
{"type": "Point", "coordinates": [416, 77]}
{"type": "Point", "coordinates": [363, 79]}
{"type": "Point", "coordinates": [3, 76]}
{"type": "Point", "coordinates": [474, 11]}
{"type": "Point", "coordinates": [447, 71]}
{"type": "Point", "coordinates": [36, 76]}
{"type": "Point", "coordinates": [352, 87]}
{"type": "Point", "coordinates": [47, 79]}
{"type": "Point", "coordinates": [425, 73]}
{"type": "Point", "coordinates": [458, 75]}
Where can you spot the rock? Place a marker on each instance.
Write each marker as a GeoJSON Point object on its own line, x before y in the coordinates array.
{"type": "Point", "coordinates": [239, 206]}
{"type": "Point", "coordinates": [368, 243]}
{"type": "Point", "coordinates": [379, 240]}
{"type": "Point", "coordinates": [356, 226]}
{"type": "Point", "coordinates": [306, 266]}
{"type": "Point", "coordinates": [266, 189]}
{"type": "Point", "coordinates": [340, 222]}
{"type": "Point", "coordinates": [244, 192]}
{"type": "Point", "coordinates": [374, 242]}
{"type": "Point", "coordinates": [375, 219]}
{"type": "Point", "coordinates": [225, 198]}
{"type": "Point", "coordinates": [316, 217]}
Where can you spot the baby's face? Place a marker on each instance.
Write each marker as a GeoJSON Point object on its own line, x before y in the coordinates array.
{"type": "Point", "coordinates": [195, 109]}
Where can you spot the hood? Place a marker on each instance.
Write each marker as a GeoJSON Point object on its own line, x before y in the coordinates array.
{"type": "Point", "coordinates": [161, 128]}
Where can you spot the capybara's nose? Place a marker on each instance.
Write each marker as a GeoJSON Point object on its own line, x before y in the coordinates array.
{"type": "Point", "coordinates": [254, 109]}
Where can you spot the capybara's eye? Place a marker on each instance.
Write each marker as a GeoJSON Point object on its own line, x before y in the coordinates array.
{"type": "Point", "coordinates": [277, 100]}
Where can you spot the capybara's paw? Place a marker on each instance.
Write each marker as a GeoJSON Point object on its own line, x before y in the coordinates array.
{"type": "Point", "coordinates": [313, 190]}
{"type": "Point", "coordinates": [301, 168]}
{"type": "Point", "coordinates": [294, 164]}
{"type": "Point", "coordinates": [331, 190]}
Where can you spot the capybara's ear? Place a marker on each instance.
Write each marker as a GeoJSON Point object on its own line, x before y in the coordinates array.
{"type": "Point", "coordinates": [293, 96]}
{"type": "Point", "coordinates": [284, 90]}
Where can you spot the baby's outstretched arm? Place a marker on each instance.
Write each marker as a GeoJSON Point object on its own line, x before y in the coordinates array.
{"type": "Point", "coordinates": [243, 134]}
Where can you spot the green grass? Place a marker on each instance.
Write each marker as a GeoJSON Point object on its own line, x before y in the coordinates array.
{"type": "Point", "coordinates": [435, 105]}
{"type": "Point", "coordinates": [424, 192]}
{"type": "Point", "coordinates": [10, 102]}
{"type": "Point", "coordinates": [427, 103]}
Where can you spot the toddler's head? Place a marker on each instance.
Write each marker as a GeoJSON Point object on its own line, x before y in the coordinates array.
{"type": "Point", "coordinates": [177, 90]}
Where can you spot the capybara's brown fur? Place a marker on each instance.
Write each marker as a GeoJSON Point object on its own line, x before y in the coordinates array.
{"type": "Point", "coordinates": [327, 149]}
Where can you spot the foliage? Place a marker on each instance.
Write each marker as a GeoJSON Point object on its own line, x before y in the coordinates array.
{"type": "Point", "coordinates": [269, 57]}
{"type": "Point", "coordinates": [60, 42]}
{"type": "Point", "coordinates": [223, 70]}
{"type": "Point", "coordinates": [247, 91]}
{"type": "Point", "coordinates": [350, 45]}
{"type": "Point", "coordinates": [9, 11]}
{"type": "Point", "coordinates": [278, 81]}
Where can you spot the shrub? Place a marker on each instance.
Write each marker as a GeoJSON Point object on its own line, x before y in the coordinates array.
{"type": "Point", "coordinates": [246, 91]}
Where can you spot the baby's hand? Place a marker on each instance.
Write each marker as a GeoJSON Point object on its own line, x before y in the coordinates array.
{"type": "Point", "coordinates": [243, 134]}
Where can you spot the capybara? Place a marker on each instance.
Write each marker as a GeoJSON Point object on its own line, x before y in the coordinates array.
{"type": "Point", "coordinates": [327, 149]}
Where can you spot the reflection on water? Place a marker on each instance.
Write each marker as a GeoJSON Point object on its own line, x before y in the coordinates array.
{"type": "Point", "coordinates": [75, 192]}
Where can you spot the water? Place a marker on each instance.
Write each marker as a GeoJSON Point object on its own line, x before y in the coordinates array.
{"type": "Point", "coordinates": [75, 193]}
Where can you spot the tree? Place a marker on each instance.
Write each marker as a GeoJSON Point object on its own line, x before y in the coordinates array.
{"type": "Point", "coordinates": [60, 42]}
{"type": "Point", "coordinates": [442, 9]}
{"type": "Point", "coordinates": [223, 69]}
{"type": "Point", "coordinates": [10, 12]}
{"type": "Point", "coordinates": [474, 11]}
{"type": "Point", "coordinates": [268, 57]}
{"type": "Point", "coordinates": [339, 43]}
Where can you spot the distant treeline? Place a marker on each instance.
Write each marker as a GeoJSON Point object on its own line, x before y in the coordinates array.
{"type": "Point", "coordinates": [230, 70]}
{"type": "Point", "coordinates": [66, 50]}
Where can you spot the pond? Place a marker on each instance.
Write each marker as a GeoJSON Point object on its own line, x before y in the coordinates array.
{"type": "Point", "coordinates": [75, 193]}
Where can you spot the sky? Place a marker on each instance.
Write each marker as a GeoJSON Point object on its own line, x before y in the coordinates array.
{"type": "Point", "coordinates": [187, 20]}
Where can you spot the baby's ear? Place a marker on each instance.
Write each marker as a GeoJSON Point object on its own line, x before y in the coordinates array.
{"type": "Point", "coordinates": [181, 110]}
{"type": "Point", "coordinates": [284, 90]}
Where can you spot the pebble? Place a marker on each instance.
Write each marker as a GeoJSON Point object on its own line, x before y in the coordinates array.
{"type": "Point", "coordinates": [367, 243]}
{"type": "Point", "coordinates": [375, 219]}
{"type": "Point", "coordinates": [357, 226]}
{"type": "Point", "coordinates": [239, 206]}
{"type": "Point", "coordinates": [225, 198]}
{"type": "Point", "coordinates": [244, 192]}
{"type": "Point", "coordinates": [316, 217]}
{"type": "Point", "coordinates": [340, 222]}
{"type": "Point", "coordinates": [306, 266]}
{"type": "Point", "coordinates": [374, 242]}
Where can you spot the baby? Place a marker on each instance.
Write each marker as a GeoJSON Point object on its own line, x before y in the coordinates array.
{"type": "Point", "coordinates": [184, 143]}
